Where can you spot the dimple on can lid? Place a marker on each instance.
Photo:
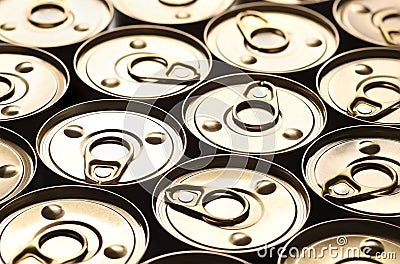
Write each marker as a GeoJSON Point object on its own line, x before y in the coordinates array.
{"type": "Point", "coordinates": [370, 20]}
{"type": "Point", "coordinates": [71, 224]}
{"type": "Point", "coordinates": [357, 169]}
{"type": "Point", "coordinates": [269, 38]}
{"type": "Point", "coordinates": [111, 142]}
{"type": "Point", "coordinates": [17, 164]}
{"type": "Point", "coordinates": [195, 257]}
{"type": "Point", "coordinates": [31, 80]}
{"type": "Point", "coordinates": [357, 241]}
{"type": "Point", "coordinates": [297, 2]}
{"type": "Point", "coordinates": [142, 62]}
{"type": "Point", "coordinates": [254, 113]}
{"type": "Point", "coordinates": [363, 84]}
{"type": "Point", "coordinates": [237, 204]}
{"type": "Point", "coordinates": [172, 11]}
{"type": "Point", "coordinates": [52, 23]}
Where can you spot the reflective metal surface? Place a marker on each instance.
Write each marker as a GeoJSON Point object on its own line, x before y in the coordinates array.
{"type": "Point", "coordinates": [195, 257]}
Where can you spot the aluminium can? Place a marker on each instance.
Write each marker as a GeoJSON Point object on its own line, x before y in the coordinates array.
{"type": "Point", "coordinates": [254, 113]}
{"type": "Point", "coordinates": [17, 164]}
{"type": "Point", "coordinates": [344, 241]}
{"type": "Point", "coordinates": [297, 2]}
{"type": "Point", "coordinates": [363, 84]}
{"type": "Point", "coordinates": [111, 142]}
{"type": "Point", "coordinates": [270, 38]}
{"type": "Point", "coordinates": [231, 203]}
{"type": "Point", "coordinates": [372, 21]}
{"type": "Point", "coordinates": [195, 257]}
{"type": "Point", "coordinates": [357, 169]}
{"type": "Point", "coordinates": [31, 80]}
{"type": "Point", "coordinates": [170, 12]}
{"type": "Point", "coordinates": [72, 224]}
{"type": "Point", "coordinates": [52, 23]}
{"type": "Point", "coordinates": [142, 62]}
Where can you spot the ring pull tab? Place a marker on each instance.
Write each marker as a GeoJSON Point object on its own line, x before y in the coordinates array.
{"type": "Point", "coordinates": [191, 200]}
{"type": "Point", "coordinates": [263, 96]}
{"type": "Point", "coordinates": [100, 171]}
{"type": "Point", "coordinates": [173, 73]}
{"type": "Point", "coordinates": [7, 88]}
{"type": "Point", "coordinates": [251, 23]}
{"type": "Point", "coordinates": [177, 2]}
{"type": "Point", "coordinates": [364, 107]}
{"type": "Point", "coordinates": [343, 188]}
{"type": "Point", "coordinates": [33, 249]}
{"type": "Point", "coordinates": [58, 7]}
{"type": "Point", "coordinates": [388, 33]}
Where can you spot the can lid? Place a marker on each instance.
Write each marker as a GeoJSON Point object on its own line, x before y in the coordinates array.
{"type": "Point", "coordinates": [131, 143]}
{"type": "Point", "coordinates": [142, 62]}
{"type": "Point", "coordinates": [52, 23]}
{"type": "Point", "coordinates": [370, 20]}
{"type": "Point", "coordinates": [67, 224]}
{"type": "Point", "coordinates": [357, 169]}
{"type": "Point", "coordinates": [270, 38]}
{"type": "Point", "coordinates": [195, 257]}
{"type": "Point", "coordinates": [344, 241]}
{"type": "Point", "coordinates": [364, 84]}
{"type": "Point", "coordinates": [172, 11]}
{"type": "Point", "coordinates": [31, 80]}
{"type": "Point", "coordinates": [297, 2]}
{"type": "Point", "coordinates": [17, 164]}
{"type": "Point", "coordinates": [246, 203]}
{"type": "Point", "coordinates": [254, 113]}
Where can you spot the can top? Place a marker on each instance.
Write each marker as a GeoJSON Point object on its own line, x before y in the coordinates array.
{"type": "Point", "coordinates": [344, 241]}
{"type": "Point", "coordinates": [52, 23]}
{"type": "Point", "coordinates": [172, 11]}
{"type": "Point", "coordinates": [245, 202]}
{"type": "Point", "coordinates": [195, 257]}
{"type": "Point", "coordinates": [17, 164]}
{"type": "Point", "coordinates": [269, 38]}
{"type": "Point", "coordinates": [363, 84]}
{"type": "Point", "coordinates": [356, 169]}
{"type": "Point", "coordinates": [31, 80]}
{"type": "Point", "coordinates": [67, 224]}
{"type": "Point", "coordinates": [297, 2]}
{"type": "Point", "coordinates": [370, 20]}
{"type": "Point", "coordinates": [254, 113]}
{"type": "Point", "coordinates": [132, 143]}
{"type": "Point", "coordinates": [142, 62]}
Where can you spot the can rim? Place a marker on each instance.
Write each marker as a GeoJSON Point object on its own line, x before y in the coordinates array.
{"type": "Point", "coordinates": [90, 43]}
{"type": "Point", "coordinates": [42, 132]}
{"type": "Point", "coordinates": [357, 220]}
{"type": "Point", "coordinates": [32, 155]}
{"type": "Point", "coordinates": [320, 103]}
{"type": "Point", "coordinates": [304, 2]}
{"type": "Point", "coordinates": [142, 221]}
{"type": "Point", "coordinates": [323, 68]}
{"type": "Point", "coordinates": [187, 252]}
{"type": "Point", "coordinates": [307, 10]}
{"type": "Point", "coordinates": [328, 135]}
{"type": "Point", "coordinates": [305, 195]}
{"type": "Point", "coordinates": [55, 62]}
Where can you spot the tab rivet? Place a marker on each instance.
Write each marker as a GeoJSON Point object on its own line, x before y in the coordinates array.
{"type": "Point", "coordinates": [341, 189]}
{"type": "Point", "coordinates": [115, 251]}
{"type": "Point", "coordinates": [368, 147]}
{"type": "Point", "coordinates": [110, 82]}
{"type": "Point", "coordinates": [53, 212]}
{"type": "Point", "coordinates": [265, 187]}
{"type": "Point", "coordinates": [138, 44]}
{"type": "Point", "coordinates": [212, 125]}
{"type": "Point", "coordinates": [240, 239]}
{"type": "Point", "coordinates": [186, 197]}
{"type": "Point", "coordinates": [292, 134]}
{"type": "Point", "coordinates": [363, 69]}
{"type": "Point", "coordinates": [364, 109]}
{"type": "Point", "coordinates": [247, 59]}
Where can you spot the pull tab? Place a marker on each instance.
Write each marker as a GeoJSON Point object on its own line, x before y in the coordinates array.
{"type": "Point", "coordinates": [57, 13]}
{"type": "Point", "coordinates": [191, 200]}
{"type": "Point", "coordinates": [263, 96]}
{"type": "Point", "coordinates": [388, 33]}
{"type": "Point", "coordinates": [344, 189]}
{"type": "Point", "coordinates": [251, 23]}
{"type": "Point", "coordinates": [33, 249]}
{"type": "Point", "coordinates": [7, 88]}
{"type": "Point", "coordinates": [106, 171]}
{"type": "Point", "coordinates": [174, 72]}
{"type": "Point", "coordinates": [369, 109]}
{"type": "Point", "coordinates": [177, 2]}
